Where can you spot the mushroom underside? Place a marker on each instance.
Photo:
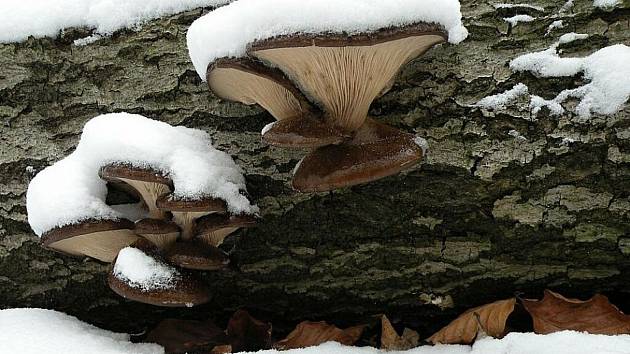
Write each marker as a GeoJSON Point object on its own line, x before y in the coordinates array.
{"type": "Point", "coordinates": [149, 192]}
{"type": "Point", "coordinates": [376, 151]}
{"type": "Point", "coordinates": [344, 80]}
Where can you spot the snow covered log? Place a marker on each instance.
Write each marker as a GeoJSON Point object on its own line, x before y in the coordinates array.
{"type": "Point", "coordinates": [504, 202]}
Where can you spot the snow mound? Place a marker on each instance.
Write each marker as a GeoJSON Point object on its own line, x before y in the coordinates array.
{"type": "Point", "coordinates": [500, 101]}
{"type": "Point", "coordinates": [71, 191]}
{"type": "Point", "coordinates": [39, 331]}
{"type": "Point", "coordinates": [514, 20]}
{"type": "Point", "coordinates": [227, 31]}
{"type": "Point", "coordinates": [140, 271]}
{"type": "Point", "coordinates": [607, 91]}
{"type": "Point", "coordinates": [46, 18]}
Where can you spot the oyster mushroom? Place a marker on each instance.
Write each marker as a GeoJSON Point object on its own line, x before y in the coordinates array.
{"type": "Point", "coordinates": [185, 212]}
{"type": "Point", "coordinates": [197, 255]}
{"type": "Point", "coordinates": [150, 184]}
{"type": "Point", "coordinates": [100, 239]}
{"type": "Point", "coordinates": [161, 233]}
{"type": "Point", "coordinates": [298, 124]}
{"type": "Point", "coordinates": [213, 229]}
{"type": "Point", "coordinates": [139, 274]}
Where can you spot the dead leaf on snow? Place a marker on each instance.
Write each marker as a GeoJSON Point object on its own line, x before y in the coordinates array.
{"type": "Point", "coordinates": [309, 333]}
{"type": "Point", "coordinates": [182, 336]}
{"type": "Point", "coordinates": [390, 340]}
{"type": "Point", "coordinates": [557, 313]}
{"type": "Point", "coordinates": [489, 318]}
{"type": "Point", "coordinates": [246, 333]}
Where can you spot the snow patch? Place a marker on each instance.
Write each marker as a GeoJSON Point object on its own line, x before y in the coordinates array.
{"type": "Point", "coordinates": [227, 31]}
{"type": "Point", "coordinates": [39, 331]}
{"type": "Point", "coordinates": [554, 25]}
{"type": "Point", "coordinates": [514, 20]}
{"type": "Point", "coordinates": [47, 18]}
{"type": "Point", "coordinates": [570, 37]}
{"type": "Point", "coordinates": [511, 6]}
{"type": "Point", "coordinates": [422, 143]}
{"type": "Point", "coordinates": [140, 271]}
{"type": "Point", "coordinates": [500, 101]}
{"type": "Point", "coordinates": [607, 91]}
{"type": "Point", "coordinates": [606, 4]}
{"type": "Point", "coordinates": [70, 190]}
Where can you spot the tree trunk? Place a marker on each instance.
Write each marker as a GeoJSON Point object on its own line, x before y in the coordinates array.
{"type": "Point", "coordinates": [487, 214]}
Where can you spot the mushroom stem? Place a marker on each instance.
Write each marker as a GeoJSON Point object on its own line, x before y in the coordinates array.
{"type": "Point", "coordinates": [215, 238]}
{"type": "Point", "coordinates": [186, 221]}
{"type": "Point", "coordinates": [150, 192]}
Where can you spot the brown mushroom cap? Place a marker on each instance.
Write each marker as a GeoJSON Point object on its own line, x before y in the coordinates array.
{"type": "Point", "coordinates": [149, 183]}
{"type": "Point", "coordinates": [301, 132]}
{"type": "Point", "coordinates": [376, 151]}
{"type": "Point", "coordinates": [197, 255]}
{"type": "Point", "coordinates": [161, 232]}
{"type": "Point", "coordinates": [184, 291]}
{"type": "Point", "coordinates": [243, 80]}
{"type": "Point", "coordinates": [344, 74]}
{"type": "Point", "coordinates": [100, 239]}
{"type": "Point", "coordinates": [185, 212]}
{"type": "Point", "coordinates": [212, 229]}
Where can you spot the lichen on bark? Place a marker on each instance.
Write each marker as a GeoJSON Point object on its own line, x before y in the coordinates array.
{"type": "Point", "coordinates": [485, 215]}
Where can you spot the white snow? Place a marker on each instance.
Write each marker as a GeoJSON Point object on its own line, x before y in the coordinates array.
{"type": "Point", "coordinates": [510, 6]}
{"type": "Point", "coordinates": [39, 331]}
{"type": "Point", "coordinates": [536, 103]}
{"type": "Point", "coordinates": [570, 37]}
{"type": "Point", "coordinates": [422, 143]}
{"type": "Point", "coordinates": [139, 270]}
{"type": "Point", "coordinates": [566, 7]}
{"type": "Point", "coordinates": [266, 128]}
{"type": "Point", "coordinates": [500, 101]}
{"type": "Point", "coordinates": [227, 31]}
{"type": "Point", "coordinates": [46, 18]}
{"type": "Point", "coordinates": [606, 4]}
{"type": "Point", "coordinates": [554, 25]}
{"type": "Point", "coordinates": [607, 90]}
{"type": "Point", "coordinates": [514, 20]}
{"type": "Point", "coordinates": [70, 190]}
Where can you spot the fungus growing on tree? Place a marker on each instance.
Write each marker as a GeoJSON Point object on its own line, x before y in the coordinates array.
{"type": "Point", "coordinates": [197, 255]}
{"type": "Point", "coordinates": [185, 212]}
{"type": "Point", "coordinates": [148, 183]}
{"type": "Point", "coordinates": [213, 229]}
{"type": "Point", "coordinates": [161, 233]}
{"type": "Point", "coordinates": [317, 68]}
{"type": "Point", "coordinates": [140, 274]}
{"type": "Point", "coordinates": [99, 239]}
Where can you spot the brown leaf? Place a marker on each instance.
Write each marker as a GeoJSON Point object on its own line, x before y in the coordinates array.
{"type": "Point", "coordinates": [246, 333]}
{"type": "Point", "coordinates": [221, 349]}
{"type": "Point", "coordinates": [464, 329]}
{"type": "Point", "coordinates": [390, 340]}
{"type": "Point", "coordinates": [181, 336]}
{"type": "Point", "coordinates": [309, 333]}
{"type": "Point", "coordinates": [557, 313]}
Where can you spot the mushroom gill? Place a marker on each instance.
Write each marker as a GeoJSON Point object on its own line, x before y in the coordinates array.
{"type": "Point", "coordinates": [185, 212]}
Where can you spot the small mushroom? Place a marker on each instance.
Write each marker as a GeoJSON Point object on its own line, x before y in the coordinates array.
{"type": "Point", "coordinates": [299, 125]}
{"type": "Point", "coordinates": [185, 212]}
{"type": "Point", "coordinates": [139, 274]}
{"type": "Point", "coordinates": [376, 151]}
{"type": "Point", "coordinates": [100, 239]}
{"type": "Point", "coordinates": [150, 184]}
{"type": "Point", "coordinates": [197, 255]}
{"type": "Point", "coordinates": [212, 229]}
{"type": "Point", "coordinates": [162, 233]}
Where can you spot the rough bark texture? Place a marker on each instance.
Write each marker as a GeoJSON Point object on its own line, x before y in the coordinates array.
{"type": "Point", "coordinates": [487, 214]}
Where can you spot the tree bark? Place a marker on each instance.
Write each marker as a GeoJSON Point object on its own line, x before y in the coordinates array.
{"type": "Point", "coordinates": [487, 214]}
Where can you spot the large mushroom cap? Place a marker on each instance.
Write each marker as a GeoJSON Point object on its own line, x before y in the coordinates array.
{"type": "Point", "coordinates": [148, 183]}
{"type": "Point", "coordinates": [344, 74]}
{"type": "Point", "coordinates": [140, 275]}
{"type": "Point", "coordinates": [185, 212]}
{"type": "Point", "coordinates": [214, 228]}
{"type": "Point", "coordinates": [161, 232]}
{"type": "Point", "coordinates": [100, 239]}
{"type": "Point", "coordinates": [301, 132]}
{"type": "Point", "coordinates": [197, 255]}
{"type": "Point", "coordinates": [376, 151]}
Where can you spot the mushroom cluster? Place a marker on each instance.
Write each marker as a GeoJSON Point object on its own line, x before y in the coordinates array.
{"type": "Point", "coordinates": [319, 88]}
{"type": "Point", "coordinates": [177, 232]}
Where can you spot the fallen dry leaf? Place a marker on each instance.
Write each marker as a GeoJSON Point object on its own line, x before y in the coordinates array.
{"type": "Point", "coordinates": [182, 336]}
{"type": "Point", "coordinates": [390, 340]}
{"type": "Point", "coordinates": [309, 333]}
{"type": "Point", "coordinates": [246, 333]}
{"type": "Point", "coordinates": [557, 313]}
{"type": "Point", "coordinates": [464, 329]}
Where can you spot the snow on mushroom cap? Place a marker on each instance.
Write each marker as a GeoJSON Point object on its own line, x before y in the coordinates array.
{"type": "Point", "coordinates": [227, 31]}
{"type": "Point", "coordinates": [141, 271]}
{"type": "Point", "coordinates": [71, 191]}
